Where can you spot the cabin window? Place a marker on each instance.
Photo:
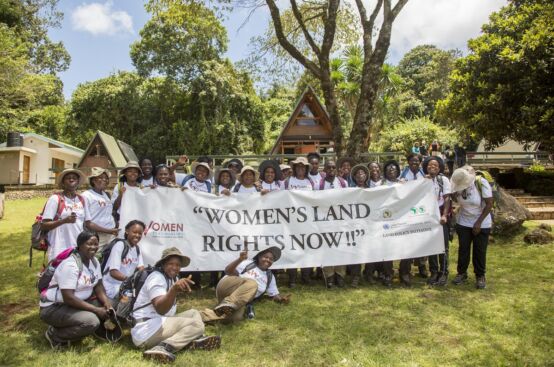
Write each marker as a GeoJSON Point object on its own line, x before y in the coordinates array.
{"type": "Point", "coordinates": [306, 117]}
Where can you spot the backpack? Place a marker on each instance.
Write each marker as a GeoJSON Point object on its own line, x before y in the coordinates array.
{"type": "Point", "coordinates": [39, 238]}
{"type": "Point", "coordinates": [190, 177]}
{"type": "Point", "coordinates": [342, 183]}
{"type": "Point", "coordinates": [237, 188]}
{"type": "Point", "coordinates": [45, 277]}
{"type": "Point", "coordinates": [494, 186]}
{"type": "Point", "coordinates": [268, 273]}
{"type": "Point", "coordinates": [128, 294]}
{"type": "Point", "coordinates": [107, 250]}
{"type": "Point", "coordinates": [308, 177]}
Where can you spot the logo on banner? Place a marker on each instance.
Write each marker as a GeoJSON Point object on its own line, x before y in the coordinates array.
{"type": "Point", "coordinates": [418, 210]}
{"type": "Point", "coordinates": [164, 230]}
{"type": "Point", "coordinates": [387, 213]}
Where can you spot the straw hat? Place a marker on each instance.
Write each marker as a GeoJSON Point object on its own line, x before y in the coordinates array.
{"type": "Point", "coordinates": [195, 165]}
{"type": "Point", "coordinates": [250, 168]}
{"type": "Point", "coordinates": [173, 251]}
{"type": "Point", "coordinates": [59, 179]}
{"type": "Point", "coordinates": [97, 172]}
{"type": "Point", "coordinates": [283, 167]}
{"type": "Point", "coordinates": [220, 171]}
{"type": "Point", "coordinates": [267, 164]}
{"type": "Point", "coordinates": [462, 178]}
{"type": "Point", "coordinates": [302, 161]}
{"type": "Point", "coordinates": [131, 164]}
{"type": "Point", "coordinates": [276, 251]}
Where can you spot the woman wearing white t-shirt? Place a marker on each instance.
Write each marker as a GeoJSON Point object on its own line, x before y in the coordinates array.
{"type": "Point", "coordinates": [119, 267]}
{"type": "Point", "coordinates": [375, 178]}
{"type": "Point", "coordinates": [247, 181]}
{"type": "Point", "coordinates": [433, 167]}
{"type": "Point", "coordinates": [225, 181]}
{"type": "Point", "coordinates": [64, 213]}
{"type": "Point", "coordinates": [130, 177]}
{"type": "Point", "coordinates": [474, 196]}
{"type": "Point", "coordinates": [99, 207]}
{"type": "Point", "coordinates": [158, 326]}
{"type": "Point", "coordinates": [245, 281]}
{"type": "Point", "coordinates": [147, 172]}
{"type": "Point", "coordinates": [299, 181]}
{"type": "Point", "coordinates": [269, 174]}
{"type": "Point", "coordinates": [65, 305]}
{"type": "Point", "coordinates": [200, 179]}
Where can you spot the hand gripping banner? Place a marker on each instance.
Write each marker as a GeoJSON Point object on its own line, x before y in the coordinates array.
{"type": "Point", "coordinates": [319, 228]}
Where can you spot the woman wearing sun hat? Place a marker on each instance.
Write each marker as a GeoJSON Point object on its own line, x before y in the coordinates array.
{"type": "Point", "coordinates": [99, 216]}
{"type": "Point", "coordinates": [474, 222]}
{"type": "Point", "coordinates": [225, 180]}
{"type": "Point", "coordinates": [159, 328]}
{"type": "Point", "coordinates": [245, 281]}
{"type": "Point", "coordinates": [247, 180]}
{"type": "Point", "coordinates": [130, 177]}
{"type": "Point", "coordinates": [64, 213]}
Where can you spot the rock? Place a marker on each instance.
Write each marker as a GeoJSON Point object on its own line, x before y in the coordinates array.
{"type": "Point", "coordinates": [546, 227]}
{"type": "Point", "coordinates": [539, 236]}
{"type": "Point", "coordinates": [509, 214]}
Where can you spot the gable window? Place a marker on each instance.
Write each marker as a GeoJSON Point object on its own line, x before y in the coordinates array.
{"type": "Point", "coordinates": [306, 117]}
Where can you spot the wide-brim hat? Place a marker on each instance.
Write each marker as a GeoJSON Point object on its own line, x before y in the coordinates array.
{"type": "Point", "coordinates": [267, 164]}
{"type": "Point", "coordinates": [358, 167]}
{"type": "Point", "coordinates": [236, 161]}
{"type": "Point", "coordinates": [346, 159]}
{"type": "Point", "coordinates": [276, 251]}
{"type": "Point", "coordinates": [283, 167]}
{"type": "Point", "coordinates": [131, 164]}
{"type": "Point", "coordinates": [97, 172]}
{"type": "Point", "coordinates": [249, 168]}
{"type": "Point", "coordinates": [65, 172]}
{"type": "Point", "coordinates": [432, 158]}
{"type": "Point", "coordinates": [195, 165]}
{"type": "Point", "coordinates": [301, 160]}
{"type": "Point", "coordinates": [462, 178]}
{"type": "Point", "coordinates": [173, 251]}
{"type": "Point", "coordinates": [220, 171]}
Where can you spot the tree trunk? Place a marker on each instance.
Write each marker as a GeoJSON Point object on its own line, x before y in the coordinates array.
{"type": "Point", "coordinates": [331, 105]}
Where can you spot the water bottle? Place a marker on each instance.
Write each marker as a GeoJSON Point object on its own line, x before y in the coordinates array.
{"type": "Point", "coordinates": [250, 311]}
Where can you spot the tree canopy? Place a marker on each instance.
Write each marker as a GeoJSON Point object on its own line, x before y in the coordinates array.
{"type": "Point", "coordinates": [503, 88]}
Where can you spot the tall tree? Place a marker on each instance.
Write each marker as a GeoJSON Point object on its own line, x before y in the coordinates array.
{"type": "Point", "coordinates": [375, 51]}
{"type": "Point", "coordinates": [503, 88]}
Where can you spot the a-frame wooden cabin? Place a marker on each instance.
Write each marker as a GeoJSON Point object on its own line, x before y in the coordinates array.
{"type": "Point", "coordinates": [308, 128]}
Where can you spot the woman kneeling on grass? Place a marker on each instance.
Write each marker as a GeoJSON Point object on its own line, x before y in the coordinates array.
{"type": "Point", "coordinates": [246, 281]}
{"type": "Point", "coordinates": [158, 327]}
{"type": "Point", "coordinates": [66, 304]}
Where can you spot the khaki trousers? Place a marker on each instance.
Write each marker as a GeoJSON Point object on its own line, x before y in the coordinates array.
{"type": "Point", "coordinates": [329, 271]}
{"type": "Point", "coordinates": [236, 290]}
{"type": "Point", "coordinates": [178, 331]}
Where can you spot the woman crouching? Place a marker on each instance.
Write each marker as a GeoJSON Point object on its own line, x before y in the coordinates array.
{"type": "Point", "coordinates": [158, 326]}
{"type": "Point", "coordinates": [245, 282]}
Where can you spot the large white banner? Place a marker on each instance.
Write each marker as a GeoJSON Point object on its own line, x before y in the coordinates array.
{"type": "Point", "coordinates": [319, 228]}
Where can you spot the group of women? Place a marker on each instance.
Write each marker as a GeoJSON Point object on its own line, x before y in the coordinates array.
{"type": "Point", "coordinates": [81, 297]}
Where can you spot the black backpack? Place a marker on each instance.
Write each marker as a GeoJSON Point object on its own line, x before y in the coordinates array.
{"type": "Point", "coordinates": [268, 272]}
{"type": "Point", "coordinates": [128, 294]}
{"type": "Point", "coordinates": [107, 250]}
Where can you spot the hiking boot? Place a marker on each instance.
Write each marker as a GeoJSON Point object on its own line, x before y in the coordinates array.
{"type": "Point", "coordinates": [481, 282]}
{"type": "Point", "coordinates": [423, 271]}
{"type": "Point", "coordinates": [405, 279]}
{"type": "Point", "coordinates": [355, 282]}
{"type": "Point", "coordinates": [433, 279]}
{"type": "Point", "coordinates": [160, 353]}
{"type": "Point", "coordinates": [443, 280]}
{"type": "Point", "coordinates": [339, 280]}
{"type": "Point", "coordinates": [54, 344]}
{"type": "Point", "coordinates": [205, 343]}
{"type": "Point", "coordinates": [460, 278]}
{"type": "Point", "coordinates": [225, 309]}
{"type": "Point", "coordinates": [387, 281]}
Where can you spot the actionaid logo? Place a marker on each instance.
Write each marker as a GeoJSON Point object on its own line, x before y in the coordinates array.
{"type": "Point", "coordinates": [164, 230]}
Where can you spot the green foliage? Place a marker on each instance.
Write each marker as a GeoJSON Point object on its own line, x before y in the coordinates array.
{"type": "Point", "coordinates": [178, 38]}
{"type": "Point", "coordinates": [536, 167]}
{"type": "Point", "coordinates": [277, 104]}
{"type": "Point", "coordinates": [503, 89]}
{"type": "Point", "coordinates": [402, 135]}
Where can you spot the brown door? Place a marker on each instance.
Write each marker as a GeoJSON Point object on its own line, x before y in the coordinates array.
{"type": "Point", "coordinates": [57, 166]}
{"type": "Point", "coordinates": [26, 169]}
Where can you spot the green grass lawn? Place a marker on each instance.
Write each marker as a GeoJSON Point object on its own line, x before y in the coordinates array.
{"type": "Point", "coordinates": [511, 323]}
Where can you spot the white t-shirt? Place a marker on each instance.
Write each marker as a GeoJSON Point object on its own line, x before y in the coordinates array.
{"type": "Point", "coordinates": [156, 285]}
{"type": "Point", "coordinates": [445, 188]}
{"type": "Point", "coordinates": [244, 190]}
{"type": "Point", "coordinates": [99, 208]}
{"type": "Point", "coordinates": [296, 184]}
{"type": "Point", "coordinates": [260, 277]}
{"type": "Point", "coordinates": [332, 185]}
{"type": "Point", "coordinates": [274, 186]}
{"type": "Point", "coordinates": [131, 261]}
{"type": "Point", "coordinates": [390, 183]}
{"type": "Point", "coordinates": [409, 176]}
{"type": "Point", "coordinates": [375, 183]}
{"type": "Point", "coordinates": [147, 181]}
{"type": "Point", "coordinates": [65, 277]}
{"type": "Point", "coordinates": [195, 185]}
{"type": "Point", "coordinates": [472, 207]}
{"type": "Point", "coordinates": [65, 235]}
{"type": "Point", "coordinates": [180, 177]}
{"type": "Point", "coordinates": [316, 178]}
